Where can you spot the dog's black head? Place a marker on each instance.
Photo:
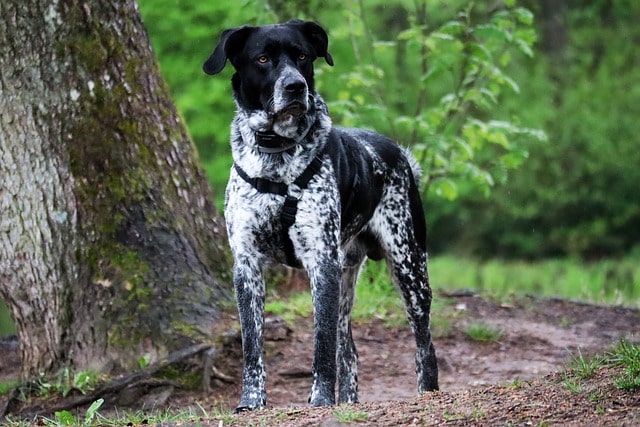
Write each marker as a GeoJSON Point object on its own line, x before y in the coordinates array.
{"type": "Point", "coordinates": [274, 66]}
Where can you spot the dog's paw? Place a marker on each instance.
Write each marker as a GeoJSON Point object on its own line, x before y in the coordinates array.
{"type": "Point", "coordinates": [251, 403]}
{"type": "Point", "coordinates": [241, 409]}
{"type": "Point", "coordinates": [248, 407]}
{"type": "Point", "coordinates": [320, 400]}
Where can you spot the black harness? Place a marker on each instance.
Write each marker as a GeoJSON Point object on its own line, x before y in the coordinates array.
{"type": "Point", "coordinates": [292, 193]}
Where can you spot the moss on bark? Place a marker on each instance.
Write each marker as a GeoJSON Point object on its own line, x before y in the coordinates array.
{"type": "Point", "coordinates": [149, 250]}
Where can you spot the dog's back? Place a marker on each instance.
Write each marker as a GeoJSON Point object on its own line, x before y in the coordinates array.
{"type": "Point", "coordinates": [364, 161]}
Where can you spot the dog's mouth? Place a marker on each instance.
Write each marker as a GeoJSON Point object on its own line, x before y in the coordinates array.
{"type": "Point", "coordinates": [294, 110]}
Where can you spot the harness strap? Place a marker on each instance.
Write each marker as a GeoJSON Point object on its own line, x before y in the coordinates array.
{"type": "Point", "coordinates": [292, 194]}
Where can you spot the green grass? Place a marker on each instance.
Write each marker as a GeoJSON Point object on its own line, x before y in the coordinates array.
{"type": "Point", "coordinates": [603, 281]}
{"type": "Point", "coordinates": [625, 355]}
{"type": "Point", "coordinates": [6, 324]}
{"type": "Point", "coordinates": [65, 381]}
{"type": "Point", "coordinates": [295, 306]}
{"type": "Point", "coordinates": [584, 367]}
{"type": "Point", "coordinates": [482, 332]}
{"type": "Point", "coordinates": [376, 298]}
{"type": "Point", "coordinates": [346, 415]}
{"type": "Point", "coordinates": [92, 417]}
{"type": "Point", "coordinates": [7, 386]}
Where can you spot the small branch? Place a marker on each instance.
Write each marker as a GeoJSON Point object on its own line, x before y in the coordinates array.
{"type": "Point", "coordinates": [111, 387]}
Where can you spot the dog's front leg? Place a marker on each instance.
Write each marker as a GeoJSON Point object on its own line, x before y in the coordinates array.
{"type": "Point", "coordinates": [249, 287]}
{"type": "Point", "coordinates": [325, 289]}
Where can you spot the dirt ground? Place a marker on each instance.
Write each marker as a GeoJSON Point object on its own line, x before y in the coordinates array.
{"type": "Point", "coordinates": [516, 379]}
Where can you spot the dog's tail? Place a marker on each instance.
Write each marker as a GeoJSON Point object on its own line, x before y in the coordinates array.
{"type": "Point", "coordinates": [413, 163]}
{"type": "Point", "coordinates": [415, 201]}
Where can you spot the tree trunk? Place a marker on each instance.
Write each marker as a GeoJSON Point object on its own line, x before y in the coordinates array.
{"type": "Point", "coordinates": [555, 30]}
{"type": "Point", "coordinates": [110, 247]}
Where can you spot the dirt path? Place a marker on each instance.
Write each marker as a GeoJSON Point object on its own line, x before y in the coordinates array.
{"type": "Point", "coordinates": [537, 338]}
{"type": "Point", "coordinates": [511, 379]}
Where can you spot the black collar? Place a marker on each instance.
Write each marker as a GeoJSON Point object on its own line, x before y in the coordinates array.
{"type": "Point", "coordinates": [270, 142]}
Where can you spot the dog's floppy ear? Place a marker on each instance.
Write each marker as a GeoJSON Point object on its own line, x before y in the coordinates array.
{"type": "Point", "coordinates": [229, 44]}
{"type": "Point", "coordinates": [318, 38]}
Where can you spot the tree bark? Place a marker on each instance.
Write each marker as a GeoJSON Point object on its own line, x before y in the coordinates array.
{"type": "Point", "coordinates": [554, 23]}
{"type": "Point", "coordinates": [110, 246]}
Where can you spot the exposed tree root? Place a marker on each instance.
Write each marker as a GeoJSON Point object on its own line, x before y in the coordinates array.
{"type": "Point", "coordinates": [113, 390]}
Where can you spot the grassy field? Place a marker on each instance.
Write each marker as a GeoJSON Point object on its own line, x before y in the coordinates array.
{"type": "Point", "coordinates": [604, 282]}
{"type": "Point", "coordinates": [601, 282]}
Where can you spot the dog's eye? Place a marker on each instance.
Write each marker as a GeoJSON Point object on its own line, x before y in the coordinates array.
{"type": "Point", "coordinates": [263, 59]}
{"type": "Point", "coordinates": [302, 57]}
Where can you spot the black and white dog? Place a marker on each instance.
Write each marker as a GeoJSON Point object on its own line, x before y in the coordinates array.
{"type": "Point", "coordinates": [310, 195]}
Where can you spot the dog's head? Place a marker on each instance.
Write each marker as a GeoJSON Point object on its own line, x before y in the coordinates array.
{"type": "Point", "coordinates": [274, 67]}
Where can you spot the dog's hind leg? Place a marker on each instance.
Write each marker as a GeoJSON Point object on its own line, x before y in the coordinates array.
{"type": "Point", "coordinates": [401, 231]}
{"type": "Point", "coordinates": [347, 353]}
{"type": "Point", "coordinates": [249, 287]}
{"type": "Point", "coordinates": [410, 275]}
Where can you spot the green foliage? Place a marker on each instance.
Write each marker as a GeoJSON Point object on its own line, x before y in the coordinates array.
{"type": "Point", "coordinates": [627, 355]}
{"type": "Point", "coordinates": [93, 418]}
{"type": "Point", "coordinates": [434, 85]}
{"type": "Point", "coordinates": [377, 298]}
{"type": "Point", "coordinates": [456, 52]}
{"type": "Point", "coordinates": [482, 332]}
{"type": "Point", "coordinates": [464, 84]}
{"type": "Point", "coordinates": [143, 361]}
{"type": "Point", "coordinates": [576, 194]}
{"type": "Point", "coordinates": [6, 386]}
{"type": "Point", "coordinates": [66, 381]}
{"type": "Point", "coordinates": [66, 418]}
{"type": "Point", "coordinates": [183, 34]}
{"type": "Point", "coordinates": [290, 309]}
{"type": "Point", "coordinates": [346, 414]}
{"type": "Point", "coordinates": [6, 323]}
{"type": "Point", "coordinates": [603, 281]}
{"type": "Point", "coordinates": [584, 367]}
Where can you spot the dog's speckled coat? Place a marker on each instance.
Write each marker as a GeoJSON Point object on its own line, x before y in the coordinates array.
{"type": "Point", "coordinates": [364, 202]}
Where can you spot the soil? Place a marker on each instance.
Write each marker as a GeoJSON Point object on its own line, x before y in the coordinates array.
{"type": "Point", "coordinates": [519, 378]}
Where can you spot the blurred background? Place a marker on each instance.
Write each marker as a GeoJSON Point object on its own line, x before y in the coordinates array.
{"type": "Point", "coordinates": [525, 116]}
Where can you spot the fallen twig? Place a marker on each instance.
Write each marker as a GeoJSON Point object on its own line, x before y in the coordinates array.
{"type": "Point", "coordinates": [109, 388]}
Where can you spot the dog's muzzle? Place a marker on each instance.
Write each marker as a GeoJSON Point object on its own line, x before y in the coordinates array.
{"type": "Point", "coordinates": [290, 95]}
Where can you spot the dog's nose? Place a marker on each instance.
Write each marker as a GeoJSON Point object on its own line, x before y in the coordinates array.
{"type": "Point", "coordinates": [295, 86]}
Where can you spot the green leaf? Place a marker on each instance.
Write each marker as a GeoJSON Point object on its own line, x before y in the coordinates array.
{"type": "Point", "coordinates": [446, 188]}
{"type": "Point", "coordinates": [491, 31]}
{"type": "Point", "coordinates": [465, 148]}
{"type": "Point", "coordinates": [524, 16]}
{"type": "Point", "coordinates": [409, 34]}
{"type": "Point", "coordinates": [524, 47]}
{"type": "Point", "coordinates": [442, 36]}
{"type": "Point", "coordinates": [514, 159]}
{"type": "Point", "coordinates": [434, 70]}
{"type": "Point", "coordinates": [452, 27]}
{"type": "Point", "coordinates": [384, 44]}
{"type": "Point", "coordinates": [143, 362]}
{"type": "Point", "coordinates": [489, 95]}
{"type": "Point", "coordinates": [65, 418]}
{"type": "Point", "coordinates": [93, 410]}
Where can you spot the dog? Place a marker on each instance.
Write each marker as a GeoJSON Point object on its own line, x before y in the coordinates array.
{"type": "Point", "coordinates": [306, 194]}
